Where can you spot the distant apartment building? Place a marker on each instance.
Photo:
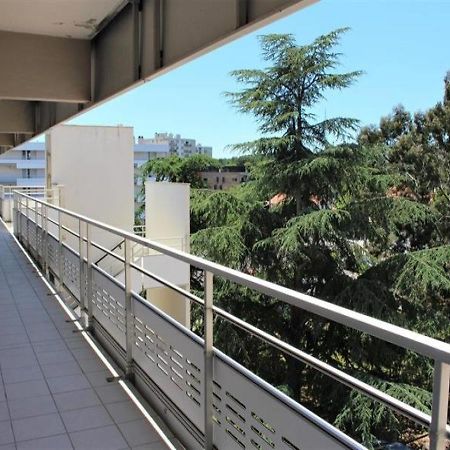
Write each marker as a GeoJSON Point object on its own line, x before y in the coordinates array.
{"type": "Point", "coordinates": [177, 145]}
{"type": "Point", "coordinates": [24, 165]}
{"type": "Point", "coordinates": [224, 178]}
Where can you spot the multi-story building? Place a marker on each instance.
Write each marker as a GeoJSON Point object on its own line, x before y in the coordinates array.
{"type": "Point", "coordinates": [177, 145]}
{"type": "Point", "coordinates": [224, 178]}
{"type": "Point", "coordinates": [23, 165]}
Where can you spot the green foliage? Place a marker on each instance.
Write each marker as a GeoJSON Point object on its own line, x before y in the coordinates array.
{"type": "Point", "coordinates": [282, 98]}
{"type": "Point", "coordinates": [421, 276]}
{"type": "Point", "coordinates": [178, 170]}
{"type": "Point", "coordinates": [365, 225]}
{"type": "Point", "coordinates": [367, 419]}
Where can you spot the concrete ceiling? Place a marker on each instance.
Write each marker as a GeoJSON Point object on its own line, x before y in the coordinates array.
{"type": "Point", "coordinates": [76, 19]}
{"type": "Point", "coordinates": [59, 58]}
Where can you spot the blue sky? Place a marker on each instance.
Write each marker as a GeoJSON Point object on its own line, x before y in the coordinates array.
{"type": "Point", "coordinates": [401, 45]}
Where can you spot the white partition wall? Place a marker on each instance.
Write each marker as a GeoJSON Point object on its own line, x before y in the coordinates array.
{"type": "Point", "coordinates": [167, 219]}
{"type": "Point", "coordinates": [94, 166]}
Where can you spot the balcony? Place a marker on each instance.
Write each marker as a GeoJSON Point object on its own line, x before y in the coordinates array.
{"type": "Point", "coordinates": [202, 396]}
{"type": "Point", "coordinates": [86, 360]}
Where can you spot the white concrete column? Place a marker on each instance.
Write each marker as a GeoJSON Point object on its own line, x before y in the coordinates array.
{"type": "Point", "coordinates": [167, 219]}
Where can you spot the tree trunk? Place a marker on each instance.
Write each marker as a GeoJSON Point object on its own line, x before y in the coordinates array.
{"type": "Point", "coordinates": [298, 203]}
{"type": "Point", "coordinates": [294, 366]}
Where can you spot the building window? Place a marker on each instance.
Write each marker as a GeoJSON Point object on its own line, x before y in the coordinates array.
{"type": "Point", "coordinates": [220, 187]}
{"type": "Point", "coordinates": [217, 179]}
{"type": "Point", "coordinates": [215, 186]}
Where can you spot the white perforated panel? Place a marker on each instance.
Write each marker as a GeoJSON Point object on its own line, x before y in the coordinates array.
{"type": "Point", "coordinates": [248, 413]}
{"type": "Point", "coordinates": [109, 305]}
{"type": "Point", "coordinates": [172, 359]}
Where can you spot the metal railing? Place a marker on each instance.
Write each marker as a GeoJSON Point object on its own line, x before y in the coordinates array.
{"type": "Point", "coordinates": [224, 404]}
{"type": "Point", "coordinates": [139, 230]}
{"type": "Point", "coordinates": [6, 197]}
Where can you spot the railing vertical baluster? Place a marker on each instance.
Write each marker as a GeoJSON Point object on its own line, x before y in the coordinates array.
{"type": "Point", "coordinates": [88, 275]}
{"type": "Point", "coordinates": [208, 324]}
{"type": "Point", "coordinates": [38, 253]}
{"type": "Point", "coordinates": [45, 240]}
{"type": "Point", "coordinates": [15, 216]}
{"type": "Point", "coordinates": [20, 217]}
{"type": "Point", "coordinates": [440, 406]}
{"type": "Point", "coordinates": [129, 313]}
{"type": "Point", "coordinates": [81, 275]}
{"type": "Point", "coordinates": [28, 222]}
{"type": "Point", "coordinates": [60, 251]}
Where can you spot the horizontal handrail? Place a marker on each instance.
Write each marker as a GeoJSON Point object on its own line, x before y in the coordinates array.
{"type": "Point", "coordinates": [354, 383]}
{"type": "Point", "coordinates": [325, 368]}
{"type": "Point", "coordinates": [402, 408]}
{"type": "Point", "coordinates": [394, 334]}
{"type": "Point", "coordinates": [435, 349]}
{"type": "Point", "coordinates": [110, 253]}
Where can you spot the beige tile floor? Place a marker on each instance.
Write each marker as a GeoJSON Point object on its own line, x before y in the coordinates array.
{"type": "Point", "coordinates": [53, 389]}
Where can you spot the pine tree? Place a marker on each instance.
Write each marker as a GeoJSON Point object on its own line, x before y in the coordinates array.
{"type": "Point", "coordinates": [282, 97]}
{"type": "Point", "coordinates": [363, 225]}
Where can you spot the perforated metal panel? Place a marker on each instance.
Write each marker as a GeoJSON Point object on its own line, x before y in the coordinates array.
{"type": "Point", "coordinates": [53, 255]}
{"type": "Point", "coordinates": [108, 300]}
{"type": "Point", "coordinates": [173, 359]}
{"type": "Point", "coordinates": [32, 234]}
{"type": "Point", "coordinates": [248, 413]}
{"type": "Point", "coordinates": [71, 271]}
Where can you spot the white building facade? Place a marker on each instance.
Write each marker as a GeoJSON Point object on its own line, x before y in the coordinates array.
{"type": "Point", "coordinates": [25, 164]}
{"type": "Point", "coordinates": [177, 145]}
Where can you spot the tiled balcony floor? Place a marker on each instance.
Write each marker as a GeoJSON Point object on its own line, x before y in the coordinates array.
{"type": "Point", "coordinates": [53, 389]}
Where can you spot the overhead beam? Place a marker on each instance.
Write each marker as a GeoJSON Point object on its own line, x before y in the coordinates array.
{"type": "Point", "coordinates": [148, 37]}
{"type": "Point", "coordinates": [9, 140]}
{"type": "Point", "coordinates": [60, 77]}
{"type": "Point", "coordinates": [17, 116]}
{"type": "Point", "coordinates": [45, 68]}
{"type": "Point", "coordinates": [6, 140]}
{"type": "Point", "coordinates": [48, 114]}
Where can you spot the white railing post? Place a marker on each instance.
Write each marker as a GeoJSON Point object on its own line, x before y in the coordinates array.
{"type": "Point", "coordinates": [88, 275]}
{"type": "Point", "coordinates": [208, 325]}
{"type": "Point", "coordinates": [45, 240]}
{"type": "Point", "coordinates": [27, 214]}
{"type": "Point", "coordinates": [15, 215]}
{"type": "Point", "coordinates": [2, 201]}
{"type": "Point", "coordinates": [36, 229]}
{"type": "Point", "coordinates": [82, 278]}
{"type": "Point", "coordinates": [438, 428]}
{"type": "Point", "coordinates": [60, 251]}
{"type": "Point", "coordinates": [129, 313]}
{"type": "Point", "coordinates": [20, 204]}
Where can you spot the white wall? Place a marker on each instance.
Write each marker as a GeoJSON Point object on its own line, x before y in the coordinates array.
{"type": "Point", "coordinates": [167, 214]}
{"type": "Point", "coordinates": [95, 167]}
{"type": "Point", "coordinates": [167, 219]}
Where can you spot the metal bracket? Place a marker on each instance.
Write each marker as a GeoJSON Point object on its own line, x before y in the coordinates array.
{"type": "Point", "coordinates": [74, 305]}
{"type": "Point", "coordinates": [115, 379]}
